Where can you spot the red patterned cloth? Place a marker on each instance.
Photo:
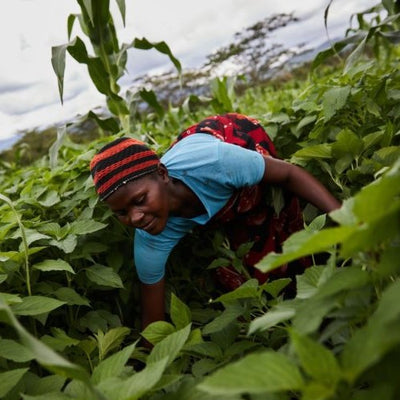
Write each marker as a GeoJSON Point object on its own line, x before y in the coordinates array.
{"type": "Point", "coordinates": [247, 217]}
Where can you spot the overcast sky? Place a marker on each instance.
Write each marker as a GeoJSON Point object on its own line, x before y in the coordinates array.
{"type": "Point", "coordinates": [192, 29]}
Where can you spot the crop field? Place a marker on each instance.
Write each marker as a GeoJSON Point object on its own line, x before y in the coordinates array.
{"type": "Point", "coordinates": [69, 294]}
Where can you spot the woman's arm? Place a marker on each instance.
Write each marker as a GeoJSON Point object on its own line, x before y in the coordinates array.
{"type": "Point", "coordinates": [299, 182]}
{"type": "Point", "coordinates": [153, 303]}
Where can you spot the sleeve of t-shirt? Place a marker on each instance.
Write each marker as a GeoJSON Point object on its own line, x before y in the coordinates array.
{"type": "Point", "coordinates": [240, 167]}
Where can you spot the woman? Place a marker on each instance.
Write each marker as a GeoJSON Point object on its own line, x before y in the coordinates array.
{"type": "Point", "coordinates": [217, 171]}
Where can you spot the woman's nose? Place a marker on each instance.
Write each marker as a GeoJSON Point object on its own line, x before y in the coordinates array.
{"type": "Point", "coordinates": [135, 216]}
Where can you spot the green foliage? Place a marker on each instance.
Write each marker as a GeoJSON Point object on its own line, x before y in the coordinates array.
{"type": "Point", "coordinates": [69, 298]}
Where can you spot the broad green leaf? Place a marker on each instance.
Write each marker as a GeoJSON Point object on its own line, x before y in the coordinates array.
{"type": "Point", "coordinates": [31, 235]}
{"type": "Point", "coordinates": [276, 286]}
{"type": "Point", "coordinates": [334, 100]}
{"type": "Point", "coordinates": [9, 379]}
{"type": "Point", "coordinates": [59, 340]}
{"type": "Point", "coordinates": [343, 279]}
{"type": "Point", "coordinates": [12, 350]}
{"type": "Point", "coordinates": [255, 373]}
{"type": "Point", "coordinates": [170, 346]}
{"type": "Point", "coordinates": [319, 362]}
{"type": "Point", "coordinates": [304, 243]}
{"type": "Point", "coordinates": [370, 343]}
{"type": "Point", "coordinates": [315, 151]}
{"type": "Point", "coordinates": [53, 265]}
{"type": "Point", "coordinates": [157, 331]}
{"type": "Point", "coordinates": [273, 317]}
{"type": "Point", "coordinates": [67, 245]}
{"type": "Point", "coordinates": [247, 289]}
{"type": "Point", "coordinates": [113, 365]}
{"type": "Point", "coordinates": [311, 312]}
{"type": "Point", "coordinates": [180, 313]}
{"type": "Point", "coordinates": [43, 354]}
{"type": "Point", "coordinates": [83, 227]}
{"type": "Point", "coordinates": [35, 305]}
{"type": "Point", "coordinates": [110, 340]}
{"type": "Point", "coordinates": [224, 319]}
{"type": "Point", "coordinates": [206, 349]}
{"type": "Point", "coordinates": [104, 276]}
{"type": "Point", "coordinates": [347, 143]}
{"type": "Point", "coordinates": [10, 299]}
{"type": "Point", "coordinates": [136, 386]}
{"type": "Point", "coordinates": [71, 297]}
{"type": "Point", "coordinates": [49, 199]}
{"type": "Point", "coordinates": [312, 278]}
{"type": "Point", "coordinates": [41, 387]}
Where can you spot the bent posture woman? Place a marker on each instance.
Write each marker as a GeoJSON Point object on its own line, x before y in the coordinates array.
{"type": "Point", "coordinates": [216, 171]}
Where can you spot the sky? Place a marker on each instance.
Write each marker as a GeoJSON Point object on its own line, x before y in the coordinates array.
{"type": "Point", "coordinates": [29, 96]}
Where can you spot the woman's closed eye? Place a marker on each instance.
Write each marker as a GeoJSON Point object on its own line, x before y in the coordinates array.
{"type": "Point", "coordinates": [120, 213]}
{"type": "Point", "coordinates": [140, 200]}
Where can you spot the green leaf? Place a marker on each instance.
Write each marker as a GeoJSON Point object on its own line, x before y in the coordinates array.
{"type": "Point", "coordinates": [224, 319]}
{"type": "Point", "coordinates": [11, 350]}
{"type": "Point", "coordinates": [334, 100]}
{"type": "Point", "coordinates": [162, 47]}
{"type": "Point", "coordinates": [180, 313]}
{"type": "Point", "coordinates": [246, 290]}
{"type": "Point", "coordinates": [151, 99]}
{"type": "Point", "coordinates": [110, 340]}
{"type": "Point", "coordinates": [67, 245]}
{"type": "Point", "coordinates": [315, 151]}
{"type": "Point", "coordinates": [347, 143]}
{"type": "Point", "coordinates": [104, 276]}
{"type": "Point", "coordinates": [206, 349]}
{"type": "Point", "coordinates": [370, 343]}
{"type": "Point", "coordinates": [53, 198]}
{"type": "Point", "coordinates": [122, 9]}
{"type": "Point", "coordinates": [273, 317]}
{"type": "Point", "coordinates": [35, 305]}
{"type": "Point", "coordinates": [83, 227]}
{"type": "Point", "coordinates": [304, 243]}
{"type": "Point", "coordinates": [157, 331]}
{"type": "Point", "coordinates": [170, 346]}
{"type": "Point", "coordinates": [319, 362]}
{"type": "Point", "coordinates": [59, 340]}
{"type": "Point", "coordinates": [54, 265]}
{"type": "Point", "coordinates": [49, 199]}
{"type": "Point", "coordinates": [312, 278]}
{"type": "Point", "coordinates": [276, 286]}
{"type": "Point", "coordinates": [9, 379]}
{"type": "Point", "coordinates": [113, 365]}
{"type": "Point", "coordinates": [43, 354]}
{"type": "Point", "coordinates": [58, 63]}
{"type": "Point", "coordinates": [255, 373]}
{"type": "Point", "coordinates": [71, 297]}
{"type": "Point", "coordinates": [137, 385]}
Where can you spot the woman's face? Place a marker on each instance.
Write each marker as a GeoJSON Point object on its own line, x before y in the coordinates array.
{"type": "Point", "coordinates": [143, 203]}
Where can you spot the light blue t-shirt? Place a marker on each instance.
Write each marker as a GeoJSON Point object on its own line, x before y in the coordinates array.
{"type": "Point", "coordinates": [213, 170]}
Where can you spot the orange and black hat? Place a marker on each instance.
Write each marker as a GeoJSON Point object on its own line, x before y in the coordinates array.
{"type": "Point", "coordinates": [119, 162]}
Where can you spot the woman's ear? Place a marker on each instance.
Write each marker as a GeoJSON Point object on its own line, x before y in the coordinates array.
{"type": "Point", "coordinates": [162, 171]}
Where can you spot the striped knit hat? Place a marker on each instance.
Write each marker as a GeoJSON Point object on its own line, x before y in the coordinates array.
{"type": "Point", "coordinates": [119, 162]}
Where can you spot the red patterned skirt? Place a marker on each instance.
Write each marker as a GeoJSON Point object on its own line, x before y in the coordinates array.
{"type": "Point", "coordinates": [248, 216]}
